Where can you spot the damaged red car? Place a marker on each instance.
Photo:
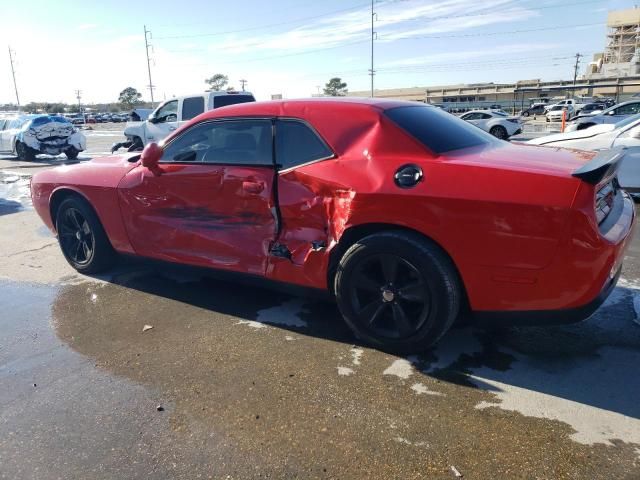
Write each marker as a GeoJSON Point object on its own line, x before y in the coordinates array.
{"type": "Point", "coordinates": [405, 214]}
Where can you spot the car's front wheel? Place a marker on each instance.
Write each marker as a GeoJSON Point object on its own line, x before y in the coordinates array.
{"type": "Point", "coordinates": [397, 291]}
{"type": "Point", "coordinates": [82, 238]}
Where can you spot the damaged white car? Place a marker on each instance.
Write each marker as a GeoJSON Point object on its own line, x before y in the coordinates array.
{"type": "Point", "coordinates": [29, 135]}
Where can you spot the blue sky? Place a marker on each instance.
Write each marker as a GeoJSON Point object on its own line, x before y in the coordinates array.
{"type": "Point", "coordinates": [290, 47]}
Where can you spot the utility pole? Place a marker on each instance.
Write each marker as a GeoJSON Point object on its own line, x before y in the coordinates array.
{"type": "Point", "coordinates": [372, 72]}
{"type": "Point", "coordinates": [79, 96]}
{"type": "Point", "coordinates": [147, 36]}
{"type": "Point", "coordinates": [575, 73]}
{"type": "Point", "coordinates": [13, 73]}
{"type": "Point", "coordinates": [243, 82]}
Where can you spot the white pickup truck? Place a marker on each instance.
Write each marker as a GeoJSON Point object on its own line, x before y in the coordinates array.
{"type": "Point", "coordinates": [173, 113]}
{"type": "Point", "coordinates": [576, 103]}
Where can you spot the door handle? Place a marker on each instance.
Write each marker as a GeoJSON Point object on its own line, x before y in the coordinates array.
{"type": "Point", "coordinates": [172, 128]}
{"type": "Point", "coordinates": [253, 187]}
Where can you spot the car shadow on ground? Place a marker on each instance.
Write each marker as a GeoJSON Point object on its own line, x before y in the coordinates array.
{"type": "Point", "coordinates": [593, 363]}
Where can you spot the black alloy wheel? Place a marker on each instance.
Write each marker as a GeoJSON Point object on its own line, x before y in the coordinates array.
{"type": "Point", "coordinates": [82, 238]}
{"type": "Point", "coordinates": [76, 237]}
{"type": "Point", "coordinates": [390, 296]}
{"type": "Point", "coordinates": [398, 291]}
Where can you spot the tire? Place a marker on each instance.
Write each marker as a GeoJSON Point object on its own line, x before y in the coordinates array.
{"type": "Point", "coordinates": [72, 153]}
{"type": "Point", "coordinates": [82, 238]}
{"type": "Point", "coordinates": [525, 114]}
{"type": "Point", "coordinates": [24, 152]}
{"type": "Point", "coordinates": [405, 307]}
{"type": "Point", "coordinates": [499, 132]}
{"type": "Point", "coordinates": [136, 145]}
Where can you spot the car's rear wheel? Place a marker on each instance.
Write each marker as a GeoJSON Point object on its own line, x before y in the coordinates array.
{"type": "Point", "coordinates": [397, 291]}
{"type": "Point", "coordinates": [82, 238]}
{"type": "Point", "coordinates": [24, 152]}
{"type": "Point", "coordinates": [72, 153]}
{"type": "Point", "coordinates": [525, 114]}
{"type": "Point", "coordinates": [499, 132]}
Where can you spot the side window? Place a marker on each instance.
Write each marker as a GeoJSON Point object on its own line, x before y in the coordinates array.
{"type": "Point", "coordinates": [484, 116]}
{"type": "Point", "coordinates": [192, 107]}
{"type": "Point", "coordinates": [297, 143]}
{"type": "Point", "coordinates": [628, 109]}
{"type": "Point", "coordinates": [241, 142]}
{"type": "Point", "coordinates": [168, 112]}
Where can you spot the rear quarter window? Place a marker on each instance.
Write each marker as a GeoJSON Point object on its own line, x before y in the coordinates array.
{"type": "Point", "coordinates": [297, 143]}
{"type": "Point", "coordinates": [437, 130]}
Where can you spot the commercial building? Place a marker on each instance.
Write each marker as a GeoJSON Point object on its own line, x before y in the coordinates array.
{"type": "Point", "coordinates": [614, 73]}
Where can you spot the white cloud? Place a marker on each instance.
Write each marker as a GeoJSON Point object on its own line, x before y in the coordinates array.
{"type": "Point", "coordinates": [87, 26]}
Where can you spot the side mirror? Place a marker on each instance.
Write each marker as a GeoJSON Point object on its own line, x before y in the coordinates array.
{"type": "Point", "coordinates": [150, 157]}
{"type": "Point", "coordinates": [612, 112]}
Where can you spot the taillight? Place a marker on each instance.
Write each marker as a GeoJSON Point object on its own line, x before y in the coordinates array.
{"type": "Point", "coordinates": [605, 195]}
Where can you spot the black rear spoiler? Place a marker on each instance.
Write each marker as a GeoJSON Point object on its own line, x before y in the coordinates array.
{"type": "Point", "coordinates": [603, 165]}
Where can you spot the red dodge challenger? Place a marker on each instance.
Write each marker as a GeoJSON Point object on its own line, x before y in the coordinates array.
{"type": "Point", "coordinates": [406, 214]}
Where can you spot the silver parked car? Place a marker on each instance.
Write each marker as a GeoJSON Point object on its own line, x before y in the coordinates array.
{"type": "Point", "coordinates": [610, 115]}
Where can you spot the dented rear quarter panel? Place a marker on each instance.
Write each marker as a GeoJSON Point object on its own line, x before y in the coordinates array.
{"type": "Point", "coordinates": [495, 220]}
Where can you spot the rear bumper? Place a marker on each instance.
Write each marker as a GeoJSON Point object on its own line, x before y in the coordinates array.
{"type": "Point", "coordinates": [549, 317]}
{"type": "Point", "coordinates": [586, 288]}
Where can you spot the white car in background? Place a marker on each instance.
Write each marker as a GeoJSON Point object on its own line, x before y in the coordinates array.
{"type": "Point", "coordinates": [610, 115]}
{"type": "Point", "coordinates": [496, 122]}
{"type": "Point", "coordinates": [554, 113]}
{"type": "Point", "coordinates": [625, 134]}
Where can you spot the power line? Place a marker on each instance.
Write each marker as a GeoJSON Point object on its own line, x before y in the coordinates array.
{"type": "Point", "coordinates": [261, 27]}
{"type": "Point", "coordinates": [490, 34]}
{"type": "Point", "coordinates": [357, 42]}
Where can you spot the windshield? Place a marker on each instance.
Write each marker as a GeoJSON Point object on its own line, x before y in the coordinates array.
{"type": "Point", "coordinates": [627, 121]}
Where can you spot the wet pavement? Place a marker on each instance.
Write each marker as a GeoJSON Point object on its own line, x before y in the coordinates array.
{"type": "Point", "coordinates": [239, 382]}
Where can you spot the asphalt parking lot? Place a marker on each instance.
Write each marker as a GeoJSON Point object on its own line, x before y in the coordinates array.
{"type": "Point", "coordinates": [239, 382]}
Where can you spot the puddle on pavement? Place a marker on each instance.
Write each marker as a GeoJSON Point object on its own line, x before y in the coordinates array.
{"type": "Point", "coordinates": [268, 372]}
{"type": "Point", "coordinates": [61, 417]}
{"type": "Point", "coordinates": [14, 192]}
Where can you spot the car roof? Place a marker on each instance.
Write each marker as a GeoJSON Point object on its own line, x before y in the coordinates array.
{"type": "Point", "coordinates": [331, 104]}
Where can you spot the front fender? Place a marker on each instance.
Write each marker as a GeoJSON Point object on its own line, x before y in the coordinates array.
{"type": "Point", "coordinates": [136, 129]}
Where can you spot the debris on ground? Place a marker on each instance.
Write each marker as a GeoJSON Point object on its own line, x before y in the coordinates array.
{"type": "Point", "coordinates": [146, 327]}
{"type": "Point", "coordinates": [456, 472]}
{"type": "Point", "coordinates": [160, 408]}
